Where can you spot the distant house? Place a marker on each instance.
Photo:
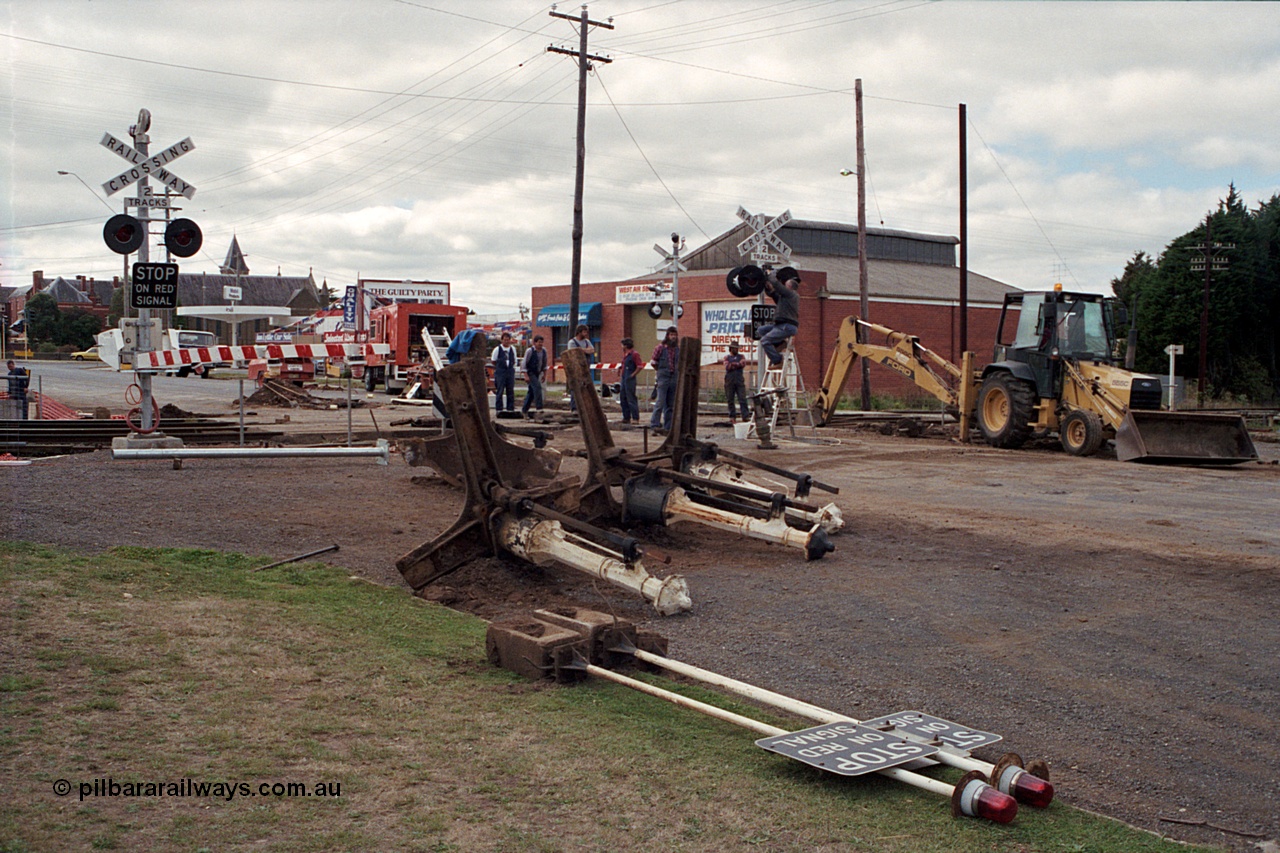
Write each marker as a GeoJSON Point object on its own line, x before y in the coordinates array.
{"type": "Point", "coordinates": [79, 293]}
{"type": "Point", "coordinates": [297, 293]}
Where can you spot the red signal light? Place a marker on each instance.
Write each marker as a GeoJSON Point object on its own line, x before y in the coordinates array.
{"type": "Point", "coordinates": [123, 234]}
{"type": "Point", "coordinates": [1031, 790]}
{"type": "Point", "coordinates": [183, 238]}
{"type": "Point", "coordinates": [1030, 787]}
{"type": "Point", "coordinates": [973, 797]}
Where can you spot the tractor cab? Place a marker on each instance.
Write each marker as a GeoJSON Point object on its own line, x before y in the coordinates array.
{"type": "Point", "coordinates": [1052, 325]}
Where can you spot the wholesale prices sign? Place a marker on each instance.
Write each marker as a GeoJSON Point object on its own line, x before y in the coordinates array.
{"type": "Point", "coordinates": [722, 324]}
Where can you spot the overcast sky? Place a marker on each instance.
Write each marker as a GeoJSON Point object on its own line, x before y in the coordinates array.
{"type": "Point", "coordinates": [434, 139]}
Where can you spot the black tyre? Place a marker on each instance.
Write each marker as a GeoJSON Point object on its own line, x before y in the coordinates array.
{"type": "Point", "coordinates": [1005, 409]}
{"type": "Point", "coordinates": [1081, 433]}
{"type": "Point", "coordinates": [370, 379]}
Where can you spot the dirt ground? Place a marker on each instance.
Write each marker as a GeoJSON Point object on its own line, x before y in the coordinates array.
{"type": "Point", "coordinates": [1117, 620]}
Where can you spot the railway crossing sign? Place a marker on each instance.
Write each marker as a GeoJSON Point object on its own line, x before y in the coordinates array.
{"type": "Point", "coordinates": [935, 728]}
{"type": "Point", "coordinates": [757, 247]}
{"type": "Point", "coordinates": [673, 264]}
{"type": "Point", "coordinates": [849, 748]}
{"type": "Point", "coordinates": [148, 166]}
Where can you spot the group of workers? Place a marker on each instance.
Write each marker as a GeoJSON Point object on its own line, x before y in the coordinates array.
{"type": "Point", "coordinates": [782, 289]}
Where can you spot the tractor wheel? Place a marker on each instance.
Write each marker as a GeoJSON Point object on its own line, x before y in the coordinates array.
{"type": "Point", "coordinates": [1081, 433]}
{"type": "Point", "coordinates": [1005, 409]}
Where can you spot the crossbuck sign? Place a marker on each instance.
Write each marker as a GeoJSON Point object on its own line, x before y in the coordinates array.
{"type": "Point", "coordinates": [757, 246]}
{"type": "Point", "coordinates": [148, 166]}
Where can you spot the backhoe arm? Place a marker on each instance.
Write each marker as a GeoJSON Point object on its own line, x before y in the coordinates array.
{"type": "Point", "coordinates": [903, 354]}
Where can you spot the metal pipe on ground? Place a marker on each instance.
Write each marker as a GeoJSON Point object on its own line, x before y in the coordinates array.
{"type": "Point", "coordinates": [1007, 776]}
{"type": "Point", "coordinates": [381, 452]}
{"type": "Point", "coordinates": [542, 541]}
{"type": "Point", "coordinates": [971, 796]}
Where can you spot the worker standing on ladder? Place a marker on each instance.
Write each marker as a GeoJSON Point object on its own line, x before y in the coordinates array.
{"type": "Point", "coordinates": [783, 289]}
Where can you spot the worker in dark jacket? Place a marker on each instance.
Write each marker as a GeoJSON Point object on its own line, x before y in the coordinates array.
{"type": "Point", "coordinates": [18, 381]}
{"type": "Point", "coordinates": [735, 383]}
{"type": "Point", "coordinates": [783, 289]}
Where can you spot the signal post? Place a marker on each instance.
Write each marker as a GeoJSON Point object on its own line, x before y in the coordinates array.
{"type": "Point", "coordinates": [152, 286]}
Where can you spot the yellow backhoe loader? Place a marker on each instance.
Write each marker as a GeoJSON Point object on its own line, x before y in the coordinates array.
{"type": "Point", "coordinates": [1054, 372]}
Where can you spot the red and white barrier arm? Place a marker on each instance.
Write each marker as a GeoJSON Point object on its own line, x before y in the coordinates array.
{"type": "Point", "coordinates": [165, 359]}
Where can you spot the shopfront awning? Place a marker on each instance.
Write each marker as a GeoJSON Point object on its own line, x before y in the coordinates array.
{"type": "Point", "coordinates": [558, 315]}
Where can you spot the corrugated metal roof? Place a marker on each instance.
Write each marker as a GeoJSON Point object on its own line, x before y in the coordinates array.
{"type": "Point", "coordinates": [894, 268]}
{"type": "Point", "coordinates": [902, 279]}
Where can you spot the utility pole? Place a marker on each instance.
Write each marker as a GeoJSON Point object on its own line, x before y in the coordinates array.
{"type": "Point", "coordinates": [1210, 261]}
{"type": "Point", "coordinates": [584, 65]}
{"type": "Point", "coordinates": [964, 230]}
{"type": "Point", "coordinates": [864, 298]}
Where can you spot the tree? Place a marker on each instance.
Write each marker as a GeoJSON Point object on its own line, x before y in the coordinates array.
{"type": "Point", "coordinates": [79, 329]}
{"type": "Point", "coordinates": [116, 309]}
{"type": "Point", "coordinates": [43, 320]}
{"type": "Point", "coordinates": [1167, 296]}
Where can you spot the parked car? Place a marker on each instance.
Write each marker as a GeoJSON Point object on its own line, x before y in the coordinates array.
{"type": "Point", "coordinates": [90, 354]}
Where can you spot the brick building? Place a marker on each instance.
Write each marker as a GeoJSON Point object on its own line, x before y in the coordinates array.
{"type": "Point", "coordinates": [913, 285]}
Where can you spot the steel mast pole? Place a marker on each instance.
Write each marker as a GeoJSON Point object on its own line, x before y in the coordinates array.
{"type": "Point", "coordinates": [142, 142]}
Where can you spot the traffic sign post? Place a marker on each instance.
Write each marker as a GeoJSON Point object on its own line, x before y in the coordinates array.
{"type": "Point", "coordinates": [674, 267]}
{"type": "Point", "coordinates": [152, 286]}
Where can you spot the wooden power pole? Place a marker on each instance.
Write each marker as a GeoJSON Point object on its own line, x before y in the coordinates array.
{"type": "Point", "coordinates": [863, 284]}
{"type": "Point", "coordinates": [584, 65]}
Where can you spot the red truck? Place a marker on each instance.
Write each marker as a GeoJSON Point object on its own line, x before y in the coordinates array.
{"type": "Point", "coordinates": [401, 326]}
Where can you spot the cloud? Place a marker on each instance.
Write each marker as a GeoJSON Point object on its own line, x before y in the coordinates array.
{"type": "Point", "coordinates": [438, 140]}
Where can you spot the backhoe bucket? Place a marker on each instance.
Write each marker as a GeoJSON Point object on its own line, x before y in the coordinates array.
{"type": "Point", "coordinates": [1183, 438]}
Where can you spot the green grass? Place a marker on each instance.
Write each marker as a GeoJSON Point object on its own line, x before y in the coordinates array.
{"type": "Point", "coordinates": [143, 665]}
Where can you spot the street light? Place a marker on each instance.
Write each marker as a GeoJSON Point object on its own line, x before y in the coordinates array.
{"type": "Point", "coordinates": [89, 188]}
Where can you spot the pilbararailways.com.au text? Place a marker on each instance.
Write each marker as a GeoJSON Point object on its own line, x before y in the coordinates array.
{"type": "Point", "coordinates": [191, 788]}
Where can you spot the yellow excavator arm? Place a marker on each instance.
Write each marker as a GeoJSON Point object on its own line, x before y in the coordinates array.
{"type": "Point", "coordinates": [903, 354]}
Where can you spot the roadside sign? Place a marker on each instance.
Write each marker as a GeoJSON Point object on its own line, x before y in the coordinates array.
{"type": "Point", "coordinates": [154, 201]}
{"type": "Point", "coordinates": [154, 286]}
{"type": "Point", "coordinates": [761, 315]}
{"type": "Point", "coordinates": [931, 727]}
{"type": "Point", "coordinates": [232, 293]}
{"type": "Point", "coordinates": [148, 166]}
{"type": "Point", "coordinates": [673, 264]}
{"type": "Point", "coordinates": [349, 308]}
{"type": "Point", "coordinates": [849, 749]}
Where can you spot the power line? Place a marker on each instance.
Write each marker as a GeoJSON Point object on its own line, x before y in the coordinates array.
{"type": "Point", "coordinates": [649, 163]}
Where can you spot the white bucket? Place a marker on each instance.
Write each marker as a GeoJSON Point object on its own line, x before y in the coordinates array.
{"type": "Point", "coordinates": [743, 430]}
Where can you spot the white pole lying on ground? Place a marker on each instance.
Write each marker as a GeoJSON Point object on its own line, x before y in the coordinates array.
{"type": "Point", "coordinates": [914, 779]}
{"type": "Point", "coordinates": [381, 451]}
{"type": "Point", "coordinates": [1011, 780]}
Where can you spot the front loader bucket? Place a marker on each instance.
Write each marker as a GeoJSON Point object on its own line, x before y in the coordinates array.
{"type": "Point", "coordinates": [1183, 438]}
